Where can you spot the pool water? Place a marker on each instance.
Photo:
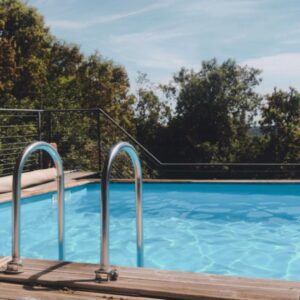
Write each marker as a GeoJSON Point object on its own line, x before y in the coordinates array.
{"type": "Point", "coordinates": [248, 230]}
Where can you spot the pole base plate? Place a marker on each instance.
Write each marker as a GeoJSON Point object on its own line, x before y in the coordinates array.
{"type": "Point", "coordinates": [106, 275]}
{"type": "Point", "coordinates": [14, 267]}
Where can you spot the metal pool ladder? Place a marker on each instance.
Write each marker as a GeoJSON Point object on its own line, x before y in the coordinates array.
{"type": "Point", "coordinates": [106, 272]}
{"type": "Point", "coordinates": [15, 265]}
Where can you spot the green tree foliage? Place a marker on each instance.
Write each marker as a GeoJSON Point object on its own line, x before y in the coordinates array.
{"type": "Point", "coordinates": [281, 126]}
{"type": "Point", "coordinates": [24, 44]}
{"type": "Point", "coordinates": [38, 71]}
{"type": "Point", "coordinates": [206, 115]}
{"type": "Point", "coordinates": [151, 114]}
{"type": "Point", "coordinates": [215, 108]}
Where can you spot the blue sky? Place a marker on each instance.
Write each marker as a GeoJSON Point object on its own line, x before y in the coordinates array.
{"type": "Point", "coordinates": [159, 37]}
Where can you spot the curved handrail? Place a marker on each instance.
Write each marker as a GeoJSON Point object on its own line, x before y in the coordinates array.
{"type": "Point", "coordinates": [15, 265]}
{"type": "Point", "coordinates": [111, 274]}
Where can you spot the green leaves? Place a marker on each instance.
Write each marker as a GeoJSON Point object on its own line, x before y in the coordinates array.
{"type": "Point", "coordinates": [281, 126]}
{"type": "Point", "coordinates": [204, 115]}
{"type": "Point", "coordinates": [214, 111]}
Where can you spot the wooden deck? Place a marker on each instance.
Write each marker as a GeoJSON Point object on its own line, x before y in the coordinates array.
{"type": "Point", "coordinates": [72, 179]}
{"type": "Point", "coordinates": [13, 291]}
{"type": "Point", "coordinates": [44, 279]}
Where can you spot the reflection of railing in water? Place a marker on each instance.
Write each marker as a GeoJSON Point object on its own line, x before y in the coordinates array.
{"type": "Point", "coordinates": [15, 265]}
{"type": "Point", "coordinates": [105, 272]}
{"type": "Point", "coordinates": [83, 137]}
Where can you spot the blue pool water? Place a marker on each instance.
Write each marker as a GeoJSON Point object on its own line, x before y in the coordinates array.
{"type": "Point", "coordinates": [235, 229]}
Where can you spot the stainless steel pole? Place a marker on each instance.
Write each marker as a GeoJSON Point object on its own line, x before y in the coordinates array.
{"type": "Point", "coordinates": [105, 271]}
{"type": "Point", "coordinates": [15, 265]}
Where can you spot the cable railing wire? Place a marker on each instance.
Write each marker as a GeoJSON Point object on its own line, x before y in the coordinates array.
{"type": "Point", "coordinates": [84, 136]}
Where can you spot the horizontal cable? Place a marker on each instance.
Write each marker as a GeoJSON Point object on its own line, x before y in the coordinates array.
{"type": "Point", "coordinates": [9, 154]}
{"type": "Point", "coordinates": [14, 154]}
{"type": "Point", "coordinates": [18, 116]}
{"type": "Point", "coordinates": [17, 136]}
{"type": "Point", "coordinates": [228, 164]}
{"type": "Point", "coordinates": [17, 143]}
{"type": "Point", "coordinates": [12, 167]}
{"type": "Point", "coordinates": [78, 110]}
{"type": "Point", "coordinates": [13, 161]}
{"type": "Point", "coordinates": [20, 148]}
{"type": "Point", "coordinates": [22, 125]}
{"type": "Point", "coordinates": [21, 110]}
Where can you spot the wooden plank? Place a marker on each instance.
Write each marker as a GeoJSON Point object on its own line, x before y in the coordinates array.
{"type": "Point", "coordinates": [155, 275]}
{"type": "Point", "coordinates": [153, 283]}
{"type": "Point", "coordinates": [152, 274]}
{"type": "Point", "coordinates": [72, 179]}
{"type": "Point", "coordinates": [63, 271]}
{"type": "Point", "coordinates": [18, 292]}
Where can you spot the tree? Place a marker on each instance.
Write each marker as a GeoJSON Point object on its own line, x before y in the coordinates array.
{"type": "Point", "coordinates": [149, 107]}
{"type": "Point", "coordinates": [215, 108]}
{"type": "Point", "coordinates": [24, 44]}
{"type": "Point", "coordinates": [38, 71]}
{"type": "Point", "coordinates": [281, 125]}
{"type": "Point", "coordinates": [152, 115]}
{"type": "Point", "coordinates": [105, 85]}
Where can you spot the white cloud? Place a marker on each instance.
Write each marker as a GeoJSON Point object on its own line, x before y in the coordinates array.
{"type": "Point", "coordinates": [151, 56]}
{"type": "Point", "coordinates": [281, 70]}
{"type": "Point", "coordinates": [148, 50]}
{"type": "Point", "coordinates": [221, 8]}
{"type": "Point", "coordinates": [82, 24]}
{"type": "Point", "coordinates": [286, 64]}
{"type": "Point", "coordinates": [146, 36]}
{"type": "Point", "coordinates": [51, 3]}
{"type": "Point", "coordinates": [291, 42]}
{"type": "Point", "coordinates": [159, 58]}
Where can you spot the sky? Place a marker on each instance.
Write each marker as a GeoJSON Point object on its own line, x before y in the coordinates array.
{"type": "Point", "coordinates": [158, 37]}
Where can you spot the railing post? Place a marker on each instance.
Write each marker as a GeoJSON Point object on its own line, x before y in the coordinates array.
{"type": "Point", "coordinates": [99, 140]}
{"type": "Point", "coordinates": [49, 135]}
{"type": "Point", "coordinates": [39, 131]}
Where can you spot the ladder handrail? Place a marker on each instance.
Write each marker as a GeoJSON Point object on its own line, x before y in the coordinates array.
{"type": "Point", "coordinates": [105, 269]}
{"type": "Point", "coordinates": [15, 265]}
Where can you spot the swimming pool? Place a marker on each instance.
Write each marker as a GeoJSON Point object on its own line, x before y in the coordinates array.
{"type": "Point", "coordinates": [248, 230]}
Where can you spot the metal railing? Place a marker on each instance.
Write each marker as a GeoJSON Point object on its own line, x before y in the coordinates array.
{"type": "Point", "coordinates": [18, 128]}
{"type": "Point", "coordinates": [84, 135]}
{"type": "Point", "coordinates": [15, 265]}
{"type": "Point", "coordinates": [105, 272]}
